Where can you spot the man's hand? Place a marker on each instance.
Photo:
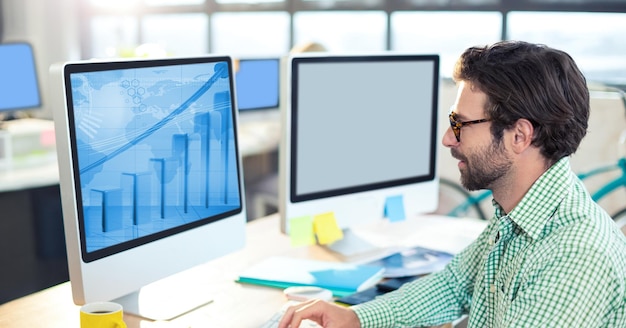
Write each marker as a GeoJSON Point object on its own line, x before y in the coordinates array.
{"type": "Point", "coordinates": [327, 315]}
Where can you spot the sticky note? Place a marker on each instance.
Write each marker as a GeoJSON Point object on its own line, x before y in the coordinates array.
{"type": "Point", "coordinates": [394, 208]}
{"type": "Point", "coordinates": [326, 228]}
{"type": "Point", "coordinates": [301, 231]}
{"type": "Point", "coordinates": [47, 138]}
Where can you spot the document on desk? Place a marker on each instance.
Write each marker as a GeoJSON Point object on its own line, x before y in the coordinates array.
{"type": "Point", "coordinates": [413, 261]}
{"type": "Point", "coordinates": [437, 232]}
{"type": "Point", "coordinates": [340, 278]}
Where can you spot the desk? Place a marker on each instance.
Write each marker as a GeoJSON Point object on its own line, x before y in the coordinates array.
{"type": "Point", "coordinates": [234, 305]}
{"type": "Point", "coordinates": [43, 175]}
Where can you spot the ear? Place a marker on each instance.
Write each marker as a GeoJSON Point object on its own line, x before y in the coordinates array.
{"type": "Point", "coordinates": [523, 132]}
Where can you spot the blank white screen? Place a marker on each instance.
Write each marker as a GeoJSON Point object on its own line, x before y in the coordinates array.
{"type": "Point", "coordinates": [360, 123]}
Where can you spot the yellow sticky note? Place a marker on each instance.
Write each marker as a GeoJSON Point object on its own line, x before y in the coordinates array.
{"type": "Point", "coordinates": [301, 231]}
{"type": "Point", "coordinates": [326, 228]}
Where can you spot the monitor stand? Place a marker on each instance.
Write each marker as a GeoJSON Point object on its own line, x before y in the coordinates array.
{"type": "Point", "coordinates": [356, 249]}
{"type": "Point", "coordinates": [168, 298]}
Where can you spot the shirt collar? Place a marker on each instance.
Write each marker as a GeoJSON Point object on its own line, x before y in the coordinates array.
{"type": "Point", "coordinates": [542, 200]}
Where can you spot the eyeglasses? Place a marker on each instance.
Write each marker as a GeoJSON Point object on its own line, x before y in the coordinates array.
{"type": "Point", "coordinates": [457, 125]}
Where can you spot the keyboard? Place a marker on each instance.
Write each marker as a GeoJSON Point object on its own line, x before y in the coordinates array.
{"type": "Point", "coordinates": [383, 287]}
{"type": "Point", "coordinates": [275, 319]}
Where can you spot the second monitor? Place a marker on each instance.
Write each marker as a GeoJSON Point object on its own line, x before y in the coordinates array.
{"type": "Point", "coordinates": [359, 131]}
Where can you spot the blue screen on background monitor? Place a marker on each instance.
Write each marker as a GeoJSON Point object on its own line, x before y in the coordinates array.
{"type": "Point", "coordinates": [155, 150]}
{"type": "Point", "coordinates": [257, 83]}
{"type": "Point", "coordinates": [19, 88]}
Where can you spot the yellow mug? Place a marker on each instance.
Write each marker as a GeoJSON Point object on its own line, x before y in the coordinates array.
{"type": "Point", "coordinates": [102, 315]}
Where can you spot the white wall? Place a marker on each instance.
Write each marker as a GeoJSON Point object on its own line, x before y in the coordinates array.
{"type": "Point", "coordinates": [51, 26]}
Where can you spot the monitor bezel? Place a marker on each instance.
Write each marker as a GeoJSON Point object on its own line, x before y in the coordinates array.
{"type": "Point", "coordinates": [157, 286]}
{"type": "Point", "coordinates": [294, 63]}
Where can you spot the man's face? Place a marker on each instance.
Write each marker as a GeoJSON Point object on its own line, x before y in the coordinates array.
{"type": "Point", "coordinates": [482, 160]}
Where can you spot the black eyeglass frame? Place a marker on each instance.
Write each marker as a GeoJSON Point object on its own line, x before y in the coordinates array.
{"type": "Point", "coordinates": [457, 125]}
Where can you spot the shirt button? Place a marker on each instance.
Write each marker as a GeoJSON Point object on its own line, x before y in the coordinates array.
{"type": "Point", "coordinates": [492, 288]}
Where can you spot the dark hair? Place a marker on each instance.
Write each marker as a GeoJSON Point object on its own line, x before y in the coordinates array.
{"type": "Point", "coordinates": [531, 81]}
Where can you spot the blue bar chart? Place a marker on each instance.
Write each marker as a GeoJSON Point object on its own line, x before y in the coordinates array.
{"type": "Point", "coordinates": [156, 151]}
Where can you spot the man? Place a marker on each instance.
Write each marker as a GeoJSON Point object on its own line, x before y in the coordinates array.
{"type": "Point", "coordinates": [550, 257]}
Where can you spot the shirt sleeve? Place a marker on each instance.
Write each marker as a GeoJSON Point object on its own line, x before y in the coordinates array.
{"type": "Point", "coordinates": [436, 299]}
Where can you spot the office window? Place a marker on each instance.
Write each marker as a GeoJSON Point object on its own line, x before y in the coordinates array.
{"type": "Point", "coordinates": [446, 3]}
{"type": "Point", "coordinates": [172, 2]}
{"type": "Point", "coordinates": [594, 40]}
{"type": "Point", "coordinates": [130, 3]}
{"type": "Point", "coordinates": [338, 31]}
{"type": "Point", "coordinates": [445, 33]}
{"type": "Point", "coordinates": [341, 25]}
{"type": "Point", "coordinates": [572, 1]}
{"type": "Point", "coordinates": [355, 2]}
{"type": "Point", "coordinates": [119, 4]}
{"type": "Point", "coordinates": [176, 34]}
{"type": "Point", "coordinates": [250, 33]}
{"type": "Point", "coordinates": [113, 36]}
{"type": "Point", "coordinates": [246, 1]}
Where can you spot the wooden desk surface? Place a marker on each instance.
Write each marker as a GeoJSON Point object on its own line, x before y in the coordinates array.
{"type": "Point", "coordinates": [234, 305]}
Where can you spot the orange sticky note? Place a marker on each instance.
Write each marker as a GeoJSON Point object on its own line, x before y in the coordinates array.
{"type": "Point", "coordinates": [326, 228]}
{"type": "Point", "coordinates": [301, 231]}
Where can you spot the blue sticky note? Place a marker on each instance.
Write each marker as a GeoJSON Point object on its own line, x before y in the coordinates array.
{"type": "Point", "coordinates": [394, 208]}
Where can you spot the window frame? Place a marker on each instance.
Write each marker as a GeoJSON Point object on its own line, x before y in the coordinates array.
{"type": "Point", "coordinates": [209, 7]}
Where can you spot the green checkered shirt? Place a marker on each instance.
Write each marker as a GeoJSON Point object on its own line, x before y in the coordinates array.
{"type": "Point", "coordinates": [557, 260]}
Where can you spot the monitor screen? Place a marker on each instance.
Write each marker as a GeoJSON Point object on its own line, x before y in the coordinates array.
{"type": "Point", "coordinates": [359, 129]}
{"type": "Point", "coordinates": [19, 86]}
{"type": "Point", "coordinates": [150, 172]}
{"type": "Point", "coordinates": [257, 82]}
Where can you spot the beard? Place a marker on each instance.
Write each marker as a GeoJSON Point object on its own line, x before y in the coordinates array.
{"type": "Point", "coordinates": [483, 167]}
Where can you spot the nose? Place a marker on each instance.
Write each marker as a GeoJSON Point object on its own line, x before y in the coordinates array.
{"type": "Point", "coordinates": [448, 139]}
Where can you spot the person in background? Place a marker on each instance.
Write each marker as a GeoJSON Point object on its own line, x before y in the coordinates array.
{"type": "Point", "coordinates": [309, 46]}
{"type": "Point", "coordinates": [550, 256]}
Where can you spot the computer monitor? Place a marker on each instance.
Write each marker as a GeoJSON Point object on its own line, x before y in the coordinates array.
{"type": "Point", "coordinates": [257, 81]}
{"type": "Point", "coordinates": [19, 85]}
{"type": "Point", "coordinates": [150, 178]}
{"type": "Point", "coordinates": [358, 131]}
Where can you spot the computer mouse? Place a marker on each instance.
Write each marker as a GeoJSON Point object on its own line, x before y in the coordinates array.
{"type": "Point", "coordinates": [304, 293]}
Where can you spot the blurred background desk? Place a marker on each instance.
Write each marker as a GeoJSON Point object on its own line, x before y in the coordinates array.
{"type": "Point", "coordinates": [31, 231]}
{"type": "Point", "coordinates": [31, 177]}
{"type": "Point", "coordinates": [234, 304]}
